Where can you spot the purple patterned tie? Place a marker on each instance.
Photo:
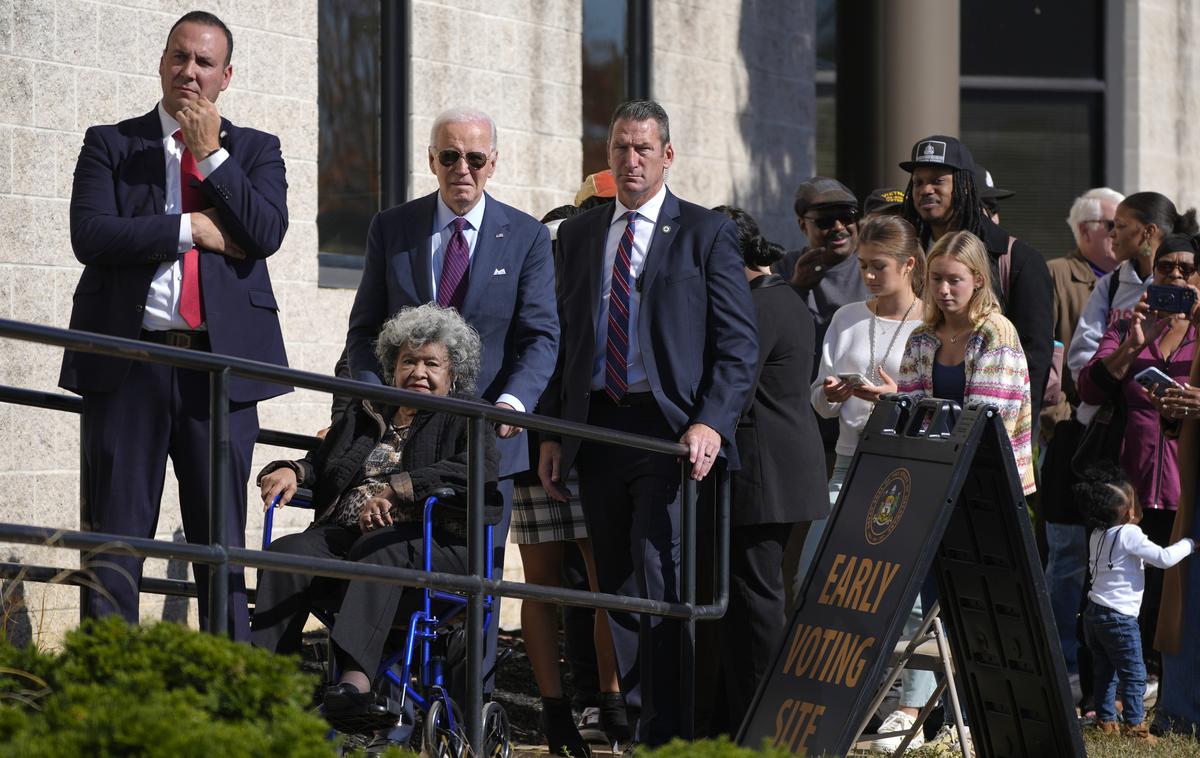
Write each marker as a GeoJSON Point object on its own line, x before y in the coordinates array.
{"type": "Point", "coordinates": [616, 353]}
{"type": "Point", "coordinates": [452, 289]}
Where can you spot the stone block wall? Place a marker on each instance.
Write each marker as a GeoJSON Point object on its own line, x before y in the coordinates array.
{"type": "Point", "coordinates": [1162, 107]}
{"type": "Point", "coordinates": [736, 79]}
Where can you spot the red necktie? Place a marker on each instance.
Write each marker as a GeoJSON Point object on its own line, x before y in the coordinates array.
{"type": "Point", "coordinates": [190, 199]}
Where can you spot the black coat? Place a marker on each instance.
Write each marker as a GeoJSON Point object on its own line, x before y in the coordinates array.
{"type": "Point", "coordinates": [782, 479]}
{"type": "Point", "coordinates": [434, 457]}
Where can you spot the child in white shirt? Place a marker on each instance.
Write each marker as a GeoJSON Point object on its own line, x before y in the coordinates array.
{"type": "Point", "coordinates": [1118, 550]}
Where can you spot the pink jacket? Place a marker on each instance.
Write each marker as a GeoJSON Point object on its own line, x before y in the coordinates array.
{"type": "Point", "coordinates": [1149, 458]}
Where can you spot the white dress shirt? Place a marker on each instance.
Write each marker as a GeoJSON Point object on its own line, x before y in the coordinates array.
{"type": "Point", "coordinates": [162, 300]}
{"type": "Point", "coordinates": [443, 230]}
{"type": "Point", "coordinates": [643, 233]}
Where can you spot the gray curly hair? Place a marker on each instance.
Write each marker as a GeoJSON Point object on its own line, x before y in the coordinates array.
{"type": "Point", "coordinates": [422, 325]}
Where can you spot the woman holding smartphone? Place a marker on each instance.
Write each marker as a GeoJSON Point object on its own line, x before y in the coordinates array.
{"type": "Point", "coordinates": [1151, 339]}
{"type": "Point", "coordinates": [859, 358]}
{"type": "Point", "coordinates": [862, 349]}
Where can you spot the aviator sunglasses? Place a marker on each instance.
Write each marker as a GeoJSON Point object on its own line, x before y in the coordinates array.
{"type": "Point", "coordinates": [450, 156]}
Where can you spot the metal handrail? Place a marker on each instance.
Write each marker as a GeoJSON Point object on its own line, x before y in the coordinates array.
{"type": "Point", "coordinates": [474, 585]}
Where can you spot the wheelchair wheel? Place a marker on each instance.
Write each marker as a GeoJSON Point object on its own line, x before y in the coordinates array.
{"type": "Point", "coordinates": [497, 742]}
{"type": "Point", "coordinates": [438, 739]}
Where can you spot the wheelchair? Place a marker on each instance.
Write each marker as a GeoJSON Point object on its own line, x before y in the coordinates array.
{"type": "Point", "coordinates": [418, 702]}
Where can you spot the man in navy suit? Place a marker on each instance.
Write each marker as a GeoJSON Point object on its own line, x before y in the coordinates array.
{"type": "Point", "coordinates": [658, 338]}
{"type": "Point", "coordinates": [173, 215]}
{"type": "Point", "coordinates": [462, 248]}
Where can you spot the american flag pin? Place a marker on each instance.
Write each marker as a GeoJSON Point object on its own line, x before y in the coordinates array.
{"type": "Point", "coordinates": [499, 235]}
{"type": "Point", "coordinates": [666, 229]}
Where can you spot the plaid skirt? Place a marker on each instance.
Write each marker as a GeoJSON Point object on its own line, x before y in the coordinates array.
{"type": "Point", "coordinates": [537, 518]}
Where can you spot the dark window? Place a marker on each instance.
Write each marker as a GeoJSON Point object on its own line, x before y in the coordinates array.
{"type": "Point", "coordinates": [1061, 38]}
{"type": "Point", "coordinates": [826, 127]}
{"type": "Point", "coordinates": [1044, 146]}
{"type": "Point", "coordinates": [605, 73]}
{"type": "Point", "coordinates": [826, 35]}
{"type": "Point", "coordinates": [348, 163]}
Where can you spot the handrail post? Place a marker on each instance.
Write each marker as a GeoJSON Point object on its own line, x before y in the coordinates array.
{"type": "Point", "coordinates": [85, 515]}
{"type": "Point", "coordinates": [723, 529]}
{"type": "Point", "coordinates": [218, 491]}
{"type": "Point", "coordinates": [687, 571]}
{"type": "Point", "coordinates": [473, 708]}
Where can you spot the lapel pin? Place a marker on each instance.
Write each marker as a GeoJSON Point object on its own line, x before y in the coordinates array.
{"type": "Point", "coordinates": [666, 229]}
{"type": "Point", "coordinates": [499, 235]}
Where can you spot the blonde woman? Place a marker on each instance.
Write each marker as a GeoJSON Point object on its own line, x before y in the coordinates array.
{"type": "Point", "coordinates": [965, 350]}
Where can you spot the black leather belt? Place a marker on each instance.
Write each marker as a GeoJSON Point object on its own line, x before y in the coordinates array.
{"type": "Point", "coordinates": [178, 338]}
{"type": "Point", "coordinates": [629, 400]}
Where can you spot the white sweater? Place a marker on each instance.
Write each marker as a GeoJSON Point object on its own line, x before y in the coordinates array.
{"type": "Point", "coordinates": [847, 349]}
{"type": "Point", "coordinates": [1115, 558]}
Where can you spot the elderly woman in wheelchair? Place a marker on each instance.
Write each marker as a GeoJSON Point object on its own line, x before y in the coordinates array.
{"type": "Point", "coordinates": [370, 479]}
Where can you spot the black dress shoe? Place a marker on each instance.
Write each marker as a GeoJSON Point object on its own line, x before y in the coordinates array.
{"type": "Point", "coordinates": [558, 724]}
{"type": "Point", "coordinates": [352, 712]}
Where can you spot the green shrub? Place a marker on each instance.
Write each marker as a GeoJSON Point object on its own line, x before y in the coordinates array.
{"type": "Point", "coordinates": [116, 690]}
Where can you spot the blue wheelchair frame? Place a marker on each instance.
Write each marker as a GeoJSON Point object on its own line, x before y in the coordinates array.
{"type": "Point", "coordinates": [423, 625]}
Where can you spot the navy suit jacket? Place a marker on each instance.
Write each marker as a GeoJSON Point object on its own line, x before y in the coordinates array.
{"type": "Point", "coordinates": [121, 234]}
{"type": "Point", "coordinates": [696, 328]}
{"type": "Point", "coordinates": [509, 300]}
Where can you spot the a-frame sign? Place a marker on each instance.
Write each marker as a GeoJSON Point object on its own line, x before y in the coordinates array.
{"type": "Point", "coordinates": [930, 488]}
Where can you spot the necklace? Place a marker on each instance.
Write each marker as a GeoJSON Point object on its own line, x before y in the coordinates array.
{"type": "Point", "coordinates": [873, 367]}
{"type": "Point", "coordinates": [954, 337]}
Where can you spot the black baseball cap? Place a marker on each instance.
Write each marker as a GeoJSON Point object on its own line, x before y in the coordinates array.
{"type": "Point", "coordinates": [883, 200]}
{"type": "Point", "coordinates": [940, 150]}
{"type": "Point", "coordinates": [821, 192]}
{"type": "Point", "coordinates": [986, 188]}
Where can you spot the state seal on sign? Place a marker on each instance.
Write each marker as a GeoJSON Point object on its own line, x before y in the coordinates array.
{"type": "Point", "coordinates": [887, 507]}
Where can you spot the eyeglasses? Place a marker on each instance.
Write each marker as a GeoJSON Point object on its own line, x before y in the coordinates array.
{"type": "Point", "coordinates": [1108, 223]}
{"type": "Point", "coordinates": [825, 223]}
{"type": "Point", "coordinates": [449, 157]}
{"type": "Point", "coordinates": [1166, 268]}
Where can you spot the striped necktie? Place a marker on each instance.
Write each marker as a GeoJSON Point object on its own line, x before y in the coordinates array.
{"type": "Point", "coordinates": [616, 360]}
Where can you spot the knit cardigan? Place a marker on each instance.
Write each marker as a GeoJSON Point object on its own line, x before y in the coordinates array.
{"type": "Point", "coordinates": [996, 375]}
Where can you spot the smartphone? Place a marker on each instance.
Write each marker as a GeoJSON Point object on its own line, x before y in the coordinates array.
{"type": "Point", "coordinates": [1167, 298]}
{"type": "Point", "coordinates": [1153, 378]}
{"type": "Point", "coordinates": [853, 378]}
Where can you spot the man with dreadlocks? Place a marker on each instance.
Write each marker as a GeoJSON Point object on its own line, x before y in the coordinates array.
{"type": "Point", "coordinates": [942, 197]}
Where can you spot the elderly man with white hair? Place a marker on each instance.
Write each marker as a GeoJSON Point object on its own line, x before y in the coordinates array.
{"type": "Point", "coordinates": [1075, 276]}
{"type": "Point", "coordinates": [462, 248]}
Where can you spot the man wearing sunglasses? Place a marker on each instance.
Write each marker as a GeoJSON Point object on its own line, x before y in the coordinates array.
{"type": "Point", "coordinates": [826, 271]}
{"type": "Point", "coordinates": [462, 248]}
